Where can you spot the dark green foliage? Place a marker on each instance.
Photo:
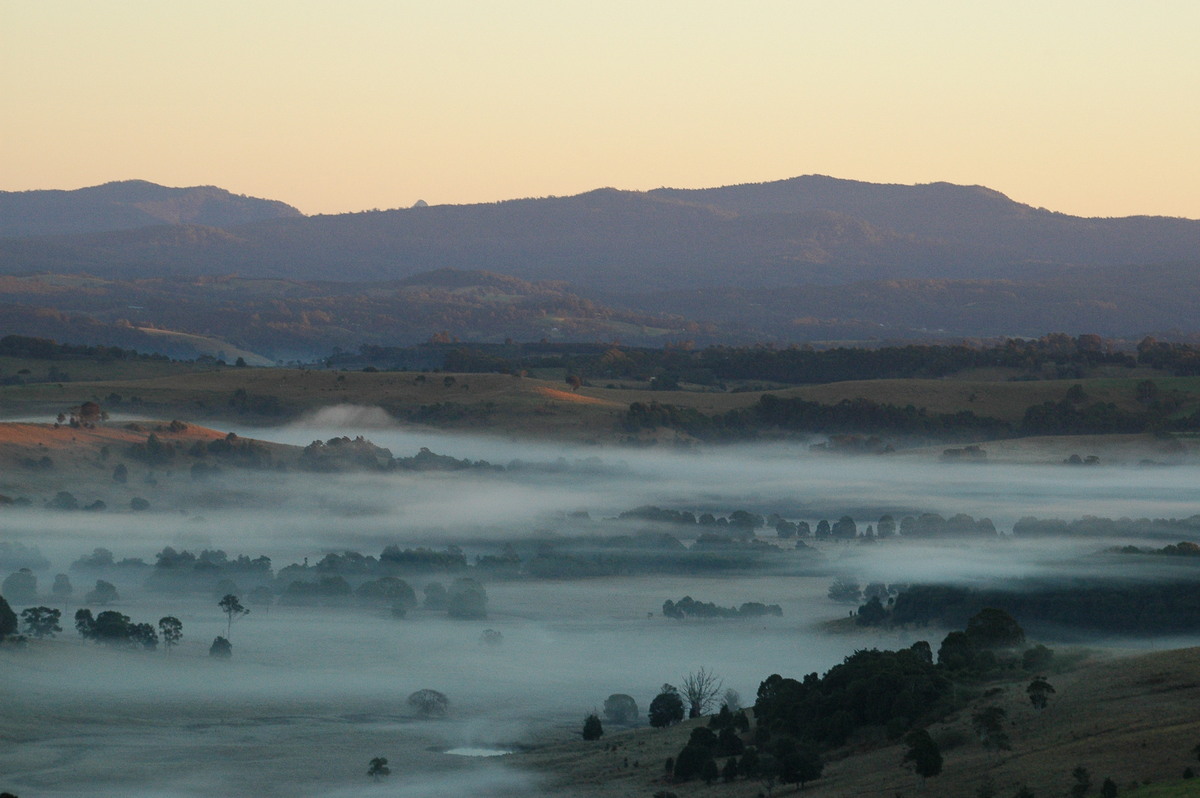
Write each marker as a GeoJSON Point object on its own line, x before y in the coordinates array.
{"type": "Point", "coordinates": [994, 628]}
{"type": "Point", "coordinates": [1037, 658]}
{"type": "Point", "coordinates": [40, 622]}
{"type": "Point", "coordinates": [691, 761]}
{"type": "Point", "coordinates": [171, 629]}
{"type": "Point", "coordinates": [796, 762]}
{"type": "Point", "coordinates": [687, 607]}
{"type": "Point", "coordinates": [870, 687]}
{"type": "Point", "coordinates": [729, 743]}
{"type": "Point", "coordinates": [988, 724]}
{"type": "Point", "coordinates": [730, 771]}
{"type": "Point", "coordinates": [872, 613]}
{"type": "Point", "coordinates": [233, 609]}
{"type": "Point", "coordinates": [1039, 691]}
{"type": "Point", "coordinates": [8, 619]}
{"type": "Point", "coordinates": [750, 764]}
{"type": "Point", "coordinates": [143, 634]}
{"type": "Point", "coordinates": [378, 767]}
{"type": "Point", "coordinates": [221, 648]}
{"type": "Point", "coordinates": [466, 599]}
{"type": "Point", "coordinates": [1083, 782]}
{"type": "Point", "coordinates": [1117, 606]}
{"type": "Point", "coordinates": [923, 753]}
{"type": "Point", "coordinates": [592, 729]}
{"type": "Point", "coordinates": [20, 586]}
{"type": "Point", "coordinates": [667, 707]}
{"type": "Point", "coordinates": [1108, 789]}
{"type": "Point", "coordinates": [429, 703]}
{"type": "Point", "coordinates": [709, 772]}
{"type": "Point", "coordinates": [620, 708]}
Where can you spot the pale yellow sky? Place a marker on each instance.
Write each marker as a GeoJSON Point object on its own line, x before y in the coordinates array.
{"type": "Point", "coordinates": [1090, 108]}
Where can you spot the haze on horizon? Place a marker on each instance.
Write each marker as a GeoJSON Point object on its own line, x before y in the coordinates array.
{"type": "Point", "coordinates": [1084, 109]}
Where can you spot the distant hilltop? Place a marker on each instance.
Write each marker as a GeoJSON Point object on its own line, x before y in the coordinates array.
{"type": "Point", "coordinates": [129, 205]}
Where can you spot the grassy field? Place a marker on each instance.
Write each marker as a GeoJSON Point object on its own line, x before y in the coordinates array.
{"type": "Point", "coordinates": [500, 403]}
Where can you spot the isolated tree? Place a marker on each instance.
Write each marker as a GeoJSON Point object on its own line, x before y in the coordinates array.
{"type": "Point", "coordinates": [667, 707]}
{"type": "Point", "coordinates": [467, 600]}
{"type": "Point", "coordinates": [62, 588]}
{"type": "Point", "coordinates": [796, 763]}
{"type": "Point", "coordinates": [41, 622]}
{"type": "Point", "coordinates": [120, 474]}
{"type": "Point", "coordinates": [732, 699]}
{"type": "Point", "coordinates": [20, 586]}
{"type": "Point", "coordinates": [1039, 691]}
{"type": "Point", "coordinates": [988, 724]}
{"type": "Point", "coordinates": [574, 381]}
{"type": "Point", "coordinates": [1108, 789]}
{"type": "Point", "coordinates": [84, 623]}
{"type": "Point", "coordinates": [700, 690]}
{"type": "Point", "coordinates": [221, 648]}
{"type": "Point", "coordinates": [103, 593]}
{"type": "Point", "coordinates": [620, 708]}
{"type": "Point", "coordinates": [171, 629]}
{"type": "Point", "coordinates": [993, 628]}
{"type": "Point", "coordinates": [8, 619]}
{"type": "Point", "coordinates": [233, 610]}
{"type": "Point", "coordinates": [429, 703]}
{"type": "Point", "coordinates": [923, 752]}
{"type": "Point", "coordinates": [592, 729]}
{"type": "Point", "coordinates": [378, 768]}
{"type": "Point", "coordinates": [1083, 782]}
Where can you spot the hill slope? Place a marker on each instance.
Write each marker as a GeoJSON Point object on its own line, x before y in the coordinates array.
{"type": "Point", "coordinates": [126, 205]}
{"type": "Point", "coordinates": [800, 231]}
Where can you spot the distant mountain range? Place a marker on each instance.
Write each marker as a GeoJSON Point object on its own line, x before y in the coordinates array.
{"type": "Point", "coordinates": [788, 260]}
{"type": "Point", "coordinates": [128, 205]}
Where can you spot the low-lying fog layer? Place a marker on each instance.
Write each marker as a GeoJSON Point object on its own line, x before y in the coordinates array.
{"type": "Point", "coordinates": [313, 693]}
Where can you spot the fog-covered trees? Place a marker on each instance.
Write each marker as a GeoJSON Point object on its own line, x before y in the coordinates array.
{"type": "Point", "coordinates": [378, 768]}
{"type": "Point", "coordinates": [20, 587]}
{"type": "Point", "coordinates": [103, 593]}
{"type": "Point", "coordinates": [171, 629]}
{"type": "Point", "coordinates": [62, 588]}
{"type": "Point", "coordinates": [233, 609]}
{"type": "Point", "coordinates": [466, 599]}
{"type": "Point", "coordinates": [8, 619]}
{"type": "Point", "coordinates": [667, 707]}
{"type": "Point", "coordinates": [1039, 692]}
{"type": "Point", "coordinates": [221, 648]}
{"type": "Point", "coordinates": [41, 622]}
{"type": "Point", "coordinates": [592, 728]}
{"type": "Point", "coordinates": [620, 708]}
{"type": "Point", "coordinates": [700, 690]}
{"type": "Point", "coordinates": [429, 703]}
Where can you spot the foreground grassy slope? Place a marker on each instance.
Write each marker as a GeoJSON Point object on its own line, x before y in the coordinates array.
{"type": "Point", "coordinates": [1130, 718]}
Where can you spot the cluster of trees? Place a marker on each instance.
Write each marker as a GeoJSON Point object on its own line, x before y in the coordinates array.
{"type": "Point", "coordinates": [1093, 526]}
{"type": "Point", "coordinates": [116, 629]}
{"type": "Point", "coordinates": [792, 414]}
{"type": "Point", "coordinates": [1113, 606]}
{"type": "Point", "coordinates": [687, 607]}
{"type": "Point", "coordinates": [793, 365]}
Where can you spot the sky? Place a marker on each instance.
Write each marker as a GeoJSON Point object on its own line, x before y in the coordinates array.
{"type": "Point", "coordinates": [1085, 107]}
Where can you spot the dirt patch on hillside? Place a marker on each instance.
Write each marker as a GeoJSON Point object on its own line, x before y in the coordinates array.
{"type": "Point", "coordinates": [567, 396]}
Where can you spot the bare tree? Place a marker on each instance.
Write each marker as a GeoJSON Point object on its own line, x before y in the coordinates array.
{"type": "Point", "coordinates": [700, 690]}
